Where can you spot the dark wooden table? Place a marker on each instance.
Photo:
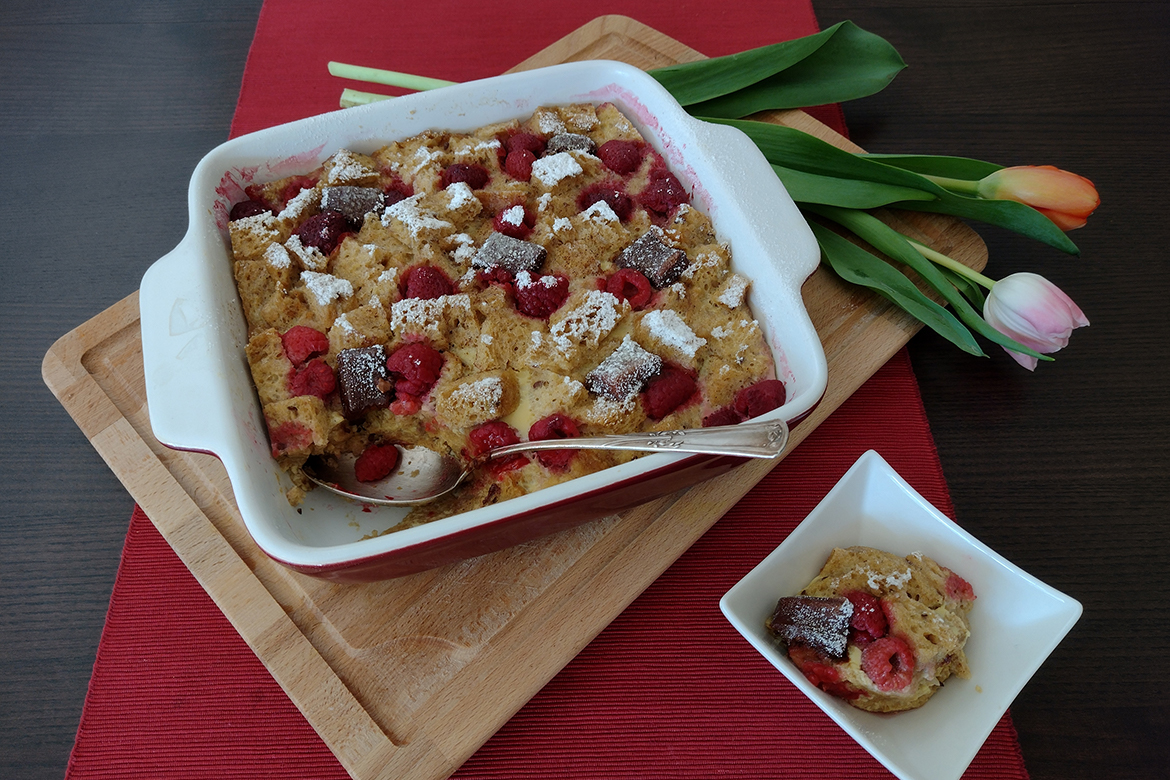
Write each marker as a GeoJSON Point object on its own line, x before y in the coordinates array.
{"type": "Point", "coordinates": [105, 108]}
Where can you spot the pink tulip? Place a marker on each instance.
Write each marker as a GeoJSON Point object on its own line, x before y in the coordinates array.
{"type": "Point", "coordinates": [1065, 198]}
{"type": "Point", "coordinates": [1033, 311]}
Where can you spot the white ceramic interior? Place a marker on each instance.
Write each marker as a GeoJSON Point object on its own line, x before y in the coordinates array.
{"type": "Point", "coordinates": [193, 330]}
{"type": "Point", "coordinates": [1015, 623]}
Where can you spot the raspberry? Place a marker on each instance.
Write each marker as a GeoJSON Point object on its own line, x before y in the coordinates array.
{"type": "Point", "coordinates": [869, 622]}
{"type": "Point", "coordinates": [424, 281]}
{"type": "Point", "coordinates": [515, 221]}
{"type": "Point", "coordinates": [484, 438]}
{"type": "Point", "coordinates": [248, 208]}
{"type": "Point", "coordinates": [375, 462]}
{"type": "Point", "coordinates": [723, 416]}
{"type": "Point", "coordinates": [621, 157]}
{"type": "Point", "coordinates": [889, 662]}
{"type": "Point", "coordinates": [261, 194]}
{"type": "Point", "coordinates": [630, 285]}
{"type": "Point", "coordinates": [662, 193]}
{"type": "Point", "coordinates": [525, 141]}
{"type": "Point", "coordinates": [668, 391]}
{"type": "Point", "coordinates": [820, 672]}
{"type": "Point", "coordinates": [289, 436]}
{"type": "Point", "coordinates": [415, 368]}
{"type": "Point", "coordinates": [763, 396]}
{"type": "Point", "coordinates": [301, 343]}
{"type": "Point", "coordinates": [324, 231]}
{"type": "Point", "coordinates": [958, 588]}
{"type": "Point", "coordinates": [475, 175]}
{"type": "Point", "coordinates": [555, 426]}
{"type": "Point", "coordinates": [496, 275]}
{"type": "Point", "coordinates": [540, 296]}
{"type": "Point", "coordinates": [620, 202]}
{"type": "Point", "coordinates": [518, 164]}
{"type": "Point", "coordinates": [395, 191]}
{"type": "Point", "coordinates": [313, 378]}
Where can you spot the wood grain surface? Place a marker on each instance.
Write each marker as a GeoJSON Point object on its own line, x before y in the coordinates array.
{"type": "Point", "coordinates": [1064, 471]}
{"type": "Point", "coordinates": [407, 678]}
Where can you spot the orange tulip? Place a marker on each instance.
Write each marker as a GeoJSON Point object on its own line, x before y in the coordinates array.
{"type": "Point", "coordinates": [1065, 198]}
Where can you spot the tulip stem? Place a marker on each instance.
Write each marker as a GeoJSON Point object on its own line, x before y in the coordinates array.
{"type": "Point", "coordinates": [947, 262]}
{"type": "Point", "coordinates": [960, 186]}
{"type": "Point", "coordinates": [390, 77]}
{"type": "Point", "coordinates": [353, 97]}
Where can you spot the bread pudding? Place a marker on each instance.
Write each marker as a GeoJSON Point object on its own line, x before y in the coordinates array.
{"type": "Point", "coordinates": [882, 632]}
{"type": "Point", "coordinates": [461, 291]}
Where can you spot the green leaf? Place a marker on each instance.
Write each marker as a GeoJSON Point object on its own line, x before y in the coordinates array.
{"type": "Point", "coordinates": [857, 266]}
{"type": "Point", "coordinates": [971, 291]}
{"type": "Point", "coordinates": [797, 150]}
{"type": "Point", "coordinates": [848, 193]}
{"type": "Point", "coordinates": [938, 165]}
{"type": "Point", "coordinates": [893, 244]}
{"type": "Point", "coordinates": [841, 63]}
{"type": "Point", "coordinates": [1007, 214]}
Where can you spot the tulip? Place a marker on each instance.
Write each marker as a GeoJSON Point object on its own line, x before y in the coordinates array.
{"type": "Point", "coordinates": [1065, 198]}
{"type": "Point", "coordinates": [1033, 311]}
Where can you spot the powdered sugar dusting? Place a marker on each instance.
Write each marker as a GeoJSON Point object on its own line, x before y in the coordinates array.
{"type": "Point", "coordinates": [512, 216]}
{"type": "Point", "coordinates": [425, 313]}
{"type": "Point", "coordinates": [555, 168]}
{"type": "Point", "coordinates": [326, 287]}
{"type": "Point", "coordinates": [459, 194]}
{"type": "Point", "coordinates": [600, 212]}
{"type": "Point", "coordinates": [734, 291]}
{"type": "Point", "coordinates": [590, 322]}
{"type": "Point", "coordinates": [277, 256]}
{"type": "Point", "coordinates": [483, 394]}
{"type": "Point", "coordinates": [346, 168]}
{"type": "Point", "coordinates": [407, 212]}
{"type": "Point", "coordinates": [310, 257]}
{"type": "Point", "coordinates": [672, 331]}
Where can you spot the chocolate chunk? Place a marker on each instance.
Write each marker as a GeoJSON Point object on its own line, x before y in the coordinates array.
{"type": "Point", "coordinates": [353, 202]}
{"type": "Point", "coordinates": [364, 382]}
{"type": "Point", "coordinates": [660, 263]}
{"type": "Point", "coordinates": [624, 373]}
{"type": "Point", "coordinates": [568, 142]}
{"type": "Point", "coordinates": [511, 254]}
{"type": "Point", "coordinates": [819, 623]}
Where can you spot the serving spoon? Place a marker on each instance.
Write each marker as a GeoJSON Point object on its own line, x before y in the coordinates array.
{"type": "Point", "coordinates": [423, 475]}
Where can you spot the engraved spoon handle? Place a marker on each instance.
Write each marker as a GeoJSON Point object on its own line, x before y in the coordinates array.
{"type": "Point", "coordinates": [748, 439]}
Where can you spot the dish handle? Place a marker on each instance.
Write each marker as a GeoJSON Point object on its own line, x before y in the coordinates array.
{"type": "Point", "coordinates": [187, 351]}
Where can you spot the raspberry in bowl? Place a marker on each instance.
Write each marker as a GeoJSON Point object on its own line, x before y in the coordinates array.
{"type": "Point", "coordinates": [865, 601]}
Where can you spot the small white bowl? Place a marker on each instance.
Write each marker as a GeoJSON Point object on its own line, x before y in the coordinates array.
{"type": "Point", "coordinates": [193, 331]}
{"type": "Point", "coordinates": [1015, 624]}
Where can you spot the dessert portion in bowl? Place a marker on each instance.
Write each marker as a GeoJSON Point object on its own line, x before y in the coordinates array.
{"type": "Point", "coordinates": [882, 632]}
{"type": "Point", "coordinates": [537, 278]}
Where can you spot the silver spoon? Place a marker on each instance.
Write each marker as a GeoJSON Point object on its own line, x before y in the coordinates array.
{"type": "Point", "coordinates": [423, 475]}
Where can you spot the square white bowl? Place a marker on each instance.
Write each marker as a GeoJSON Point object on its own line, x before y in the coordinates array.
{"type": "Point", "coordinates": [1015, 624]}
{"type": "Point", "coordinates": [199, 386]}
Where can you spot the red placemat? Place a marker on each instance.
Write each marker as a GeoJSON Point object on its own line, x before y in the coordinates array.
{"type": "Point", "coordinates": [668, 689]}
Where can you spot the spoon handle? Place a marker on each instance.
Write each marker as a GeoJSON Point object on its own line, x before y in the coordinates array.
{"type": "Point", "coordinates": [748, 439]}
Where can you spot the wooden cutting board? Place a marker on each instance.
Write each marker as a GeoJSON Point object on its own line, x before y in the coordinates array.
{"type": "Point", "coordinates": [407, 678]}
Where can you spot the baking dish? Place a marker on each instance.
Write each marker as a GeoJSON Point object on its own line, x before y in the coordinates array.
{"type": "Point", "coordinates": [199, 387]}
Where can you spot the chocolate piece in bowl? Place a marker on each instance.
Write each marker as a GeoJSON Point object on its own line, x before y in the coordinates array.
{"type": "Point", "coordinates": [512, 254]}
{"type": "Point", "coordinates": [659, 262]}
{"type": "Point", "coordinates": [820, 623]}
{"type": "Point", "coordinates": [363, 379]}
